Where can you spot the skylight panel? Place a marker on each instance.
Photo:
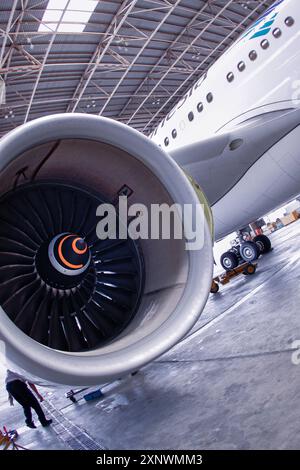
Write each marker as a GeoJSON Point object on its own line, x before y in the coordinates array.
{"type": "Point", "coordinates": [75, 17]}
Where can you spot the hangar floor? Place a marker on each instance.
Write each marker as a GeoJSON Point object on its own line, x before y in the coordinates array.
{"type": "Point", "coordinates": [230, 384]}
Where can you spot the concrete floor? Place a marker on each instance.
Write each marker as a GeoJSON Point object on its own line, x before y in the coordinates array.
{"type": "Point", "coordinates": [230, 384]}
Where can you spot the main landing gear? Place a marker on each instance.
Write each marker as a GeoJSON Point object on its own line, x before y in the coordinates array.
{"type": "Point", "coordinates": [245, 251]}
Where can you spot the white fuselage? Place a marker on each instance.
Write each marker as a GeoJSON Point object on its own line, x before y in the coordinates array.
{"type": "Point", "coordinates": [265, 62]}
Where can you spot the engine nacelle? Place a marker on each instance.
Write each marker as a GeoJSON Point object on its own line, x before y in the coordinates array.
{"type": "Point", "coordinates": [74, 309]}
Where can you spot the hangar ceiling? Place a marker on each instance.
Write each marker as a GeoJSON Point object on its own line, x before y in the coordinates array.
{"type": "Point", "coordinates": [129, 60]}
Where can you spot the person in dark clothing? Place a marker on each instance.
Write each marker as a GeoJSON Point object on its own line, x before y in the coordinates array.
{"type": "Point", "coordinates": [18, 390]}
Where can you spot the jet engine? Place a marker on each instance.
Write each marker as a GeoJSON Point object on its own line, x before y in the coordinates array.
{"type": "Point", "coordinates": [77, 309]}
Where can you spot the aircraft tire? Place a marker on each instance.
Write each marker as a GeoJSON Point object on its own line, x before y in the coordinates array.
{"type": "Point", "coordinates": [264, 243]}
{"type": "Point", "coordinates": [229, 260]}
{"type": "Point", "coordinates": [249, 251]}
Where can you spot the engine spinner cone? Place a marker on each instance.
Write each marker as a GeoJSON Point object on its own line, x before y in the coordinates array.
{"type": "Point", "coordinates": [69, 254]}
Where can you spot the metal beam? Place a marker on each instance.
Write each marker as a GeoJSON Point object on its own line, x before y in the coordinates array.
{"type": "Point", "coordinates": [162, 57]}
{"type": "Point", "coordinates": [107, 67]}
{"type": "Point", "coordinates": [126, 37]}
{"type": "Point", "coordinates": [11, 16]}
{"type": "Point", "coordinates": [181, 55]}
{"type": "Point", "coordinates": [16, 32]}
{"type": "Point", "coordinates": [44, 61]}
{"type": "Point", "coordinates": [89, 99]}
{"type": "Point", "coordinates": [166, 16]}
{"type": "Point", "coordinates": [102, 49]}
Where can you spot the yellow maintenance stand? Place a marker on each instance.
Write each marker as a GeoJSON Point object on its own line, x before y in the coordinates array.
{"type": "Point", "coordinates": [247, 269]}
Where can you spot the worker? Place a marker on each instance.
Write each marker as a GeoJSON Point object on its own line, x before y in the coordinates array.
{"type": "Point", "coordinates": [17, 389]}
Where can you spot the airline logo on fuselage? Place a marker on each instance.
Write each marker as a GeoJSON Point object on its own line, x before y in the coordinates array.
{"type": "Point", "coordinates": [265, 28]}
{"type": "Point", "coordinates": [264, 24]}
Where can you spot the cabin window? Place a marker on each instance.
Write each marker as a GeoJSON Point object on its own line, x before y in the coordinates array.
{"type": "Point", "coordinates": [191, 116]}
{"type": "Point", "coordinates": [277, 33]}
{"type": "Point", "coordinates": [209, 97]}
{"type": "Point", "coordinates": [174, 133]}
{"type": "Point", "coordinates": [200, 107]}
{"type": "Point", "coordinates": [241, 66]}
{"type": "Point", "coordinates": [253, 55]}
{"type": "Point", "coordinates": [166, 141]}
{"type": "Point", "coordinates": [230, 77]}
{"type": "Point", "coordinates": [265, 44]}
{"type": "Point", "coordinates": [289, 21]}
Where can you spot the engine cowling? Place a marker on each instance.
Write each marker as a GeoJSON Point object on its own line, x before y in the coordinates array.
{"type": "Point", "coordinates": [74, 309]}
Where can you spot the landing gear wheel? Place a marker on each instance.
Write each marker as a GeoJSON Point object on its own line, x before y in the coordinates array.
{"type": "Point", "coordinates": [229, 260]}
{"type": "Point", "coordinates": [214, 287]}
{"type": "Point", "coordinates": [249, 270]}
{"type": "Point", "coordinates": [264, 243]}
{"type": "Point", "coordinates": [249, 251]}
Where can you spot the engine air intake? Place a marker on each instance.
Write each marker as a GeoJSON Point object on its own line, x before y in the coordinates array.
{"type": "Point", "coordinates": [59, 283]}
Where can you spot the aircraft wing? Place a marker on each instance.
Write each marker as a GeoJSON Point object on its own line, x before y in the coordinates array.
{"type": "Point", "coordinates": [218, 162]}
{"type": "Point", "coordinates": [203, 150]}
{"type": "Point", "coordinates": [261, 129]}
